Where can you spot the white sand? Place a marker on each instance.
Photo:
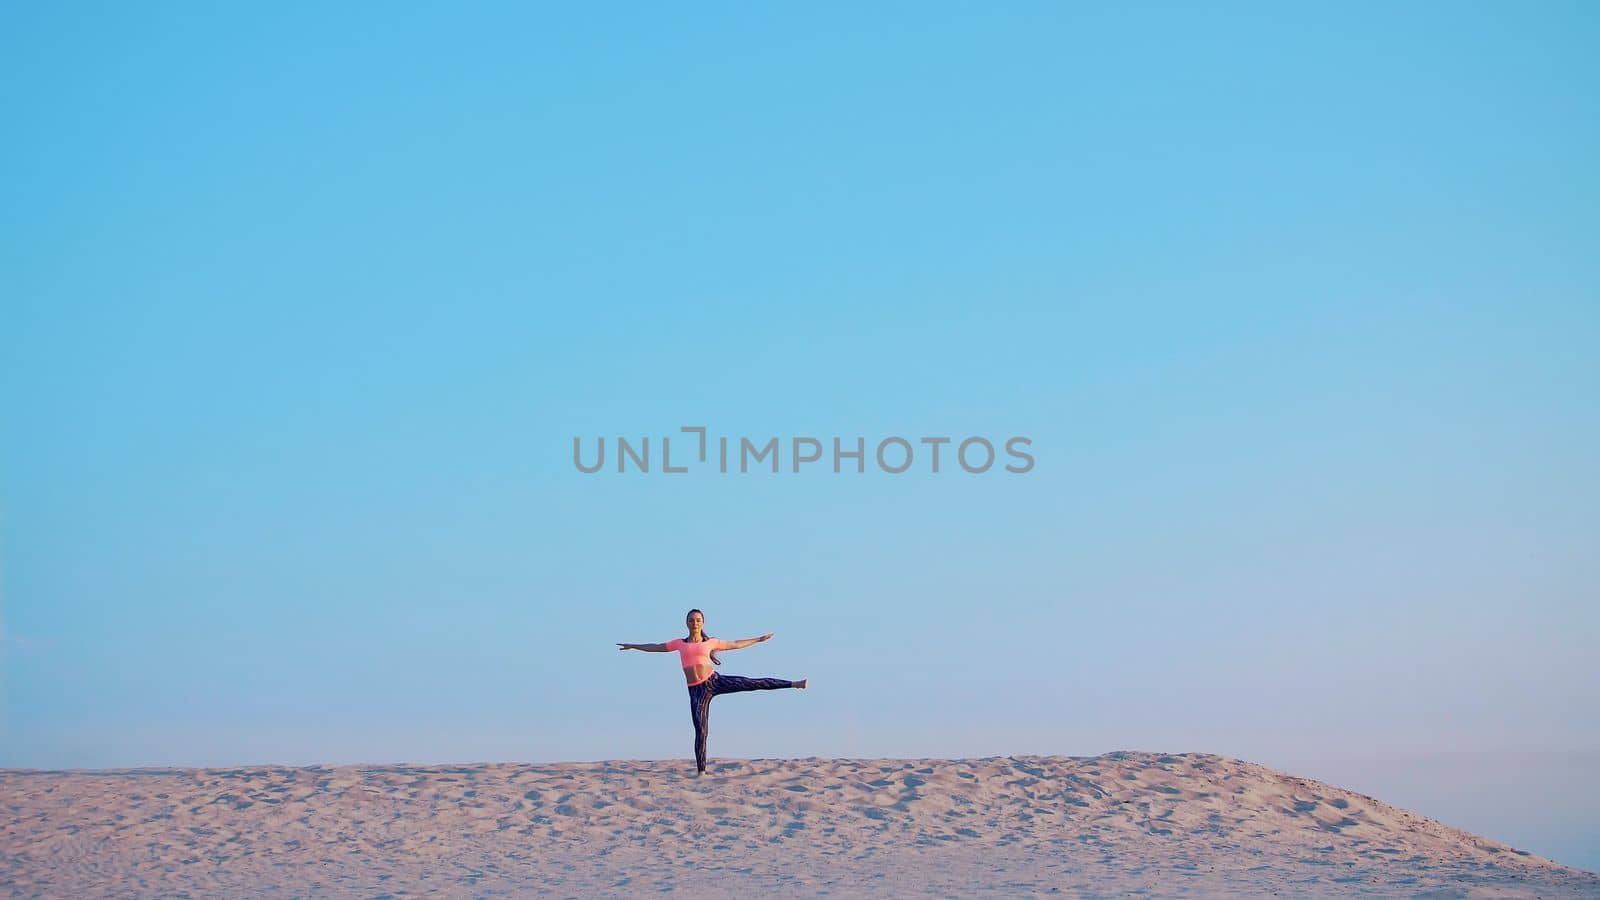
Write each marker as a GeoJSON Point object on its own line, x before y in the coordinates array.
{"type": "Point", "coordinates": [1184, 824]}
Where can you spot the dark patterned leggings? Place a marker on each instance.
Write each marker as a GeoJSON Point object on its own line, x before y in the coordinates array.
{"type": "Point", "coordinates": [700, 703]}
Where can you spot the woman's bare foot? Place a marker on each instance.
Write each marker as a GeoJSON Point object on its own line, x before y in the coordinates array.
{"type": "Point", "coordinates": [801, 684]}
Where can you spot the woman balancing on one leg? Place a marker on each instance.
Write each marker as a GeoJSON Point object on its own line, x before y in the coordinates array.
{"type": "Point", "coordinates": [698, 653]}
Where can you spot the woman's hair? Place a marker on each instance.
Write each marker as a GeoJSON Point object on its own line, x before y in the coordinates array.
{"type": "Point", "coordinates": [686, 616]}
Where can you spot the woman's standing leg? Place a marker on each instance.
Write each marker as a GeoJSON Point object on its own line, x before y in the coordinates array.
{"type": "Point", "coordinates": [700, 711]}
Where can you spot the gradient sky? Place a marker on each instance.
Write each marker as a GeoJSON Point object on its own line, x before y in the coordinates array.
{"type": "Point", "coordinates": [304, 306]}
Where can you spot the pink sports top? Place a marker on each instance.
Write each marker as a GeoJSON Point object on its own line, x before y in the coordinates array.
{"type": "Point", "coordinates": [697, 654]}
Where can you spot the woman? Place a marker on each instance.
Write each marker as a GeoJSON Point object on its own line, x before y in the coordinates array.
{"type": "Point", "coordinates": [698, 654]}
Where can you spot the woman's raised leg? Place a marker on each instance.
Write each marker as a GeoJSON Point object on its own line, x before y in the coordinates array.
{"type": "Point", "coordinates": [733, 684]}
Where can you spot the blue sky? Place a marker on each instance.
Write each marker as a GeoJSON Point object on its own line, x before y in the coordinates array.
{"type": "Point", "coordinates": [305, 306]}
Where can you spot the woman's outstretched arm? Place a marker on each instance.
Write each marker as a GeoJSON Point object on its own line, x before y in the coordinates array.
{"type": "Point", "coordinates": [747, 642]}
{"type": "Point", "coordinates": [648, 648]}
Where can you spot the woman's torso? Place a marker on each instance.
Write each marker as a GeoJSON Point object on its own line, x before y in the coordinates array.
{"type": "Point", "coordinates": [695, 657]}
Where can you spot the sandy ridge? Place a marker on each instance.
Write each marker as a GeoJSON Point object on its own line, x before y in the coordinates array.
{"type": "Point", "coordinates": [1170, 824]}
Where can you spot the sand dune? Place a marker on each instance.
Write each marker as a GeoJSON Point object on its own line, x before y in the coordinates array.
{"type": "Point", "coordinates": [1178, 824]}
